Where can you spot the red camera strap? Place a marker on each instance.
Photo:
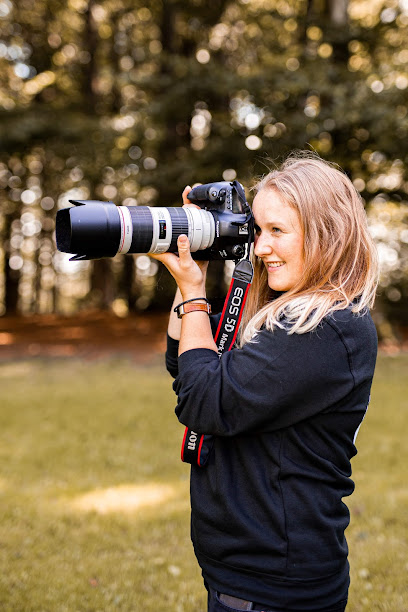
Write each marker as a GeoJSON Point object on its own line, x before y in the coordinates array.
{"type": "Point", "coordinates": [196, 447]}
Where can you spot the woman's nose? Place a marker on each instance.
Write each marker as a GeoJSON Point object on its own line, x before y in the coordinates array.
{"type": "Point", "coordinates": [262, 247]}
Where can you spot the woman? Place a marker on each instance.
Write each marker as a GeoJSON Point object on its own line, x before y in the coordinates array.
{"type": "Point", "coordinates": [285, 405]}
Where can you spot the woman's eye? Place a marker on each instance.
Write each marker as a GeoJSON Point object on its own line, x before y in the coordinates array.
{"type": "Point", "coordinates": [273, 230]}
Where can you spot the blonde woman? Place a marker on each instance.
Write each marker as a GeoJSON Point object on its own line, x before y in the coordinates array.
{"type": "Point", "coordinates": [285, 405]}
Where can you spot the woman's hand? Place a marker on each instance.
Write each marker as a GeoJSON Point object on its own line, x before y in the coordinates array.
{"type": "Point", "coordinates": [194, 329]}
{"type": "Point", "coordinates": [188, 274]}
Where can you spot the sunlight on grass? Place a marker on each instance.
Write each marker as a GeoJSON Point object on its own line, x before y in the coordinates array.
{"type": "Point", "coordinates": [128, 498]}
{"type": "Point", "coordinates": [11, 370]}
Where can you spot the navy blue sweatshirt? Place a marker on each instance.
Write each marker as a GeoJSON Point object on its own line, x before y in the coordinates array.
{"type": "Point", "coordinates": [268, 518]}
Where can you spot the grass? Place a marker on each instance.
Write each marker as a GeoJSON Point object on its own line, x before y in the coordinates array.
{"type": "Point", "coordinates": [94, 512]}
{"type": "Point", "coordinates": [378, 534]}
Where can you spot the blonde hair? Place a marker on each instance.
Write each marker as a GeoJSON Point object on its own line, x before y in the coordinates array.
{"type": "Point", "coordinates": [340, 257]}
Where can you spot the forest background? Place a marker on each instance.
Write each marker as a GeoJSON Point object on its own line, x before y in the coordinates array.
{"type": "Point", "coordinates": [129, 101]}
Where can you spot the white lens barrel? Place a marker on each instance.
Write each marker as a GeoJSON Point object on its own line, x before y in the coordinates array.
{"type": "Point", "coordinates": [162, 230]}
{"type": "Point", "coordinates": [201, 228]}
{"type": "Point", "coordinates": [151, 228]}
{"type": "Point", "coordinates": [126, 229]}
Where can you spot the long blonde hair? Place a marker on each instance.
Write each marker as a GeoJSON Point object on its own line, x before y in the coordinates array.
{"type": "Point", "coordinates": [340, 257]}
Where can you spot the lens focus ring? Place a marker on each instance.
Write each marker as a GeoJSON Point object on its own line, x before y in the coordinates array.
{"type": "Point", "coordinates": [180, 226]}
{"type": "Point", "coordinates": [142, 229]}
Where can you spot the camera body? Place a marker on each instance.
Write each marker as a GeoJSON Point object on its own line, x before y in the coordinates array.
{"type": "Point", "coordinates": [231, 212]}
{"type": "Point", "coordinates": [220, 229]}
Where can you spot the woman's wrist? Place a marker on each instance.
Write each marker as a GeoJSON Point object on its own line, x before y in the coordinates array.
{"type": "Point", "coordinates": [194, 294]}
{"type": "Point", "coordinates": [200, 299]}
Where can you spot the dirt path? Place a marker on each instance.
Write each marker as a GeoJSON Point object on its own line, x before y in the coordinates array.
{"type": "Point", "coordinates": [92, 335]}
{"type": "Point", "coordinates": [88, 335]}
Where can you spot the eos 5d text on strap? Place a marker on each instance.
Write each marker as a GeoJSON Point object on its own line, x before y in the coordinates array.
{"type": "Point", "coordinates": [196, 448]}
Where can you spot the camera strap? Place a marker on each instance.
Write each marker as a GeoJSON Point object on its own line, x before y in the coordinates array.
{"type": "Point", "coordinates": [196, 448]}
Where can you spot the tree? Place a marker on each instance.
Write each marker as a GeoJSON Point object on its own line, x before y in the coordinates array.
{"type": "Point", "coordinates": [130, 101]}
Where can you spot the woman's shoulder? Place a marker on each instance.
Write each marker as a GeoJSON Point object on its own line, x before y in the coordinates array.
{"type": "Point", "coordinates": [343, 326]}
{"type": "Point", "coordinates": [349, 319]}
{"type": "Point", "coordinates": [357, 332]}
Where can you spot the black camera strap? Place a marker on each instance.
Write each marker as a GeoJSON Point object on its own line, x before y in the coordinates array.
{"type": "Point", "coordinates": [196, 448]}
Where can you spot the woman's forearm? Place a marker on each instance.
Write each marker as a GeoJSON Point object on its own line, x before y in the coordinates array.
{"type": "Point", "coordinates": [196, 332]}
{"type": "Point", "coordinates": [193, 330]}
{"type": "Point", "coordinates": [174, 328]}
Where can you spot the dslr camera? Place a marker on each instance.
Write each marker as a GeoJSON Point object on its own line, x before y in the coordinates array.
{"type": "Point", "coordinates": [222, 228]}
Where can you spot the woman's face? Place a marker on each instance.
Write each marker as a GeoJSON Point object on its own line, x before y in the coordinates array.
{"type": "Point", "coordinates": [278, 239]}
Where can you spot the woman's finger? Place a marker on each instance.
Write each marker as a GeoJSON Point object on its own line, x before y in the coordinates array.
{"type": "Point", "coordinates": [186, 201]}
{"type": "Point", "coordinates": [185, 193]}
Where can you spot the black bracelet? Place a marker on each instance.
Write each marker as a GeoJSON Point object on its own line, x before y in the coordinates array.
{"type": "Point", "coordinates": [192, 300]}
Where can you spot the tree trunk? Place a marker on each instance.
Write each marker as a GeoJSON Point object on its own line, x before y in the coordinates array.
{"type": "Point", "coordinates": [90, 71]}
{"type": "Point", "coordinates": [338, 11]}
{"type": "Point", "coordinates": [127, 285]}
{"type": "Point", "coordinates": [11, 277]}
{"type": "Point", "coordinates": [102, 284]}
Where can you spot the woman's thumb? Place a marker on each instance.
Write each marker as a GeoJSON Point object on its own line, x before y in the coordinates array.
{"type": "Point", "coordinates": [183, 246]}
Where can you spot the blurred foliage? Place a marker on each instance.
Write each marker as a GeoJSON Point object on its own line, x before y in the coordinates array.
{"type": "Point", "coordinates": [130, 101]}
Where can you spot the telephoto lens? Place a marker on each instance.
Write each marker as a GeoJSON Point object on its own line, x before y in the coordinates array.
{"type": "Point", "coordinates": [103, 229]}
{"type": "Point", "coordinates": [218, 230]}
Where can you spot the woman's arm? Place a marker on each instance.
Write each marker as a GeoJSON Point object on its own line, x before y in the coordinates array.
{"type": "Point", "coordinates": [174, 328]}
{"type": "Point", "coordinates": [274, 382]}
{"type": "Point", "coordinates": [193, 329]}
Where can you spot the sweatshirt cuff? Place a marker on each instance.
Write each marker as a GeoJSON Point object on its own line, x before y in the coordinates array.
{"type": "Point", "coordinates": [172, 345]}
{"type": "Point", "coordinates": [172, 356]}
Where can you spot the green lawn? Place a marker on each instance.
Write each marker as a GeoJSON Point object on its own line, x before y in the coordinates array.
{"type": "Point", "coordinates": [94, 499]}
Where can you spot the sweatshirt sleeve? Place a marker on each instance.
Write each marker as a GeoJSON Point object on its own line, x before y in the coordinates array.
{"type": "Point", "coordinates": [172, 356]}
{"type": "Point", "coordinates": [173, 346]}
{"type": "Point", "coordinates": [271, 383]}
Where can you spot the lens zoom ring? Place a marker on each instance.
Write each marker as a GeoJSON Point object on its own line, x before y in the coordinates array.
{"type": "Point", "coordinates": [179, 223]}
{"type": "Point", "coordinates": [142, 224]}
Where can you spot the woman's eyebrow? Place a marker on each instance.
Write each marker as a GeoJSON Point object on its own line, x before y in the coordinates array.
{"type": "Point", "coordinates": [271, 224]}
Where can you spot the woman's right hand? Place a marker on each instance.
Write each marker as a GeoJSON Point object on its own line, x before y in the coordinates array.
{"type": "Point", "coordinates": [169, 259]}
{"type": "Point", "coordinates": [187, 272]}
